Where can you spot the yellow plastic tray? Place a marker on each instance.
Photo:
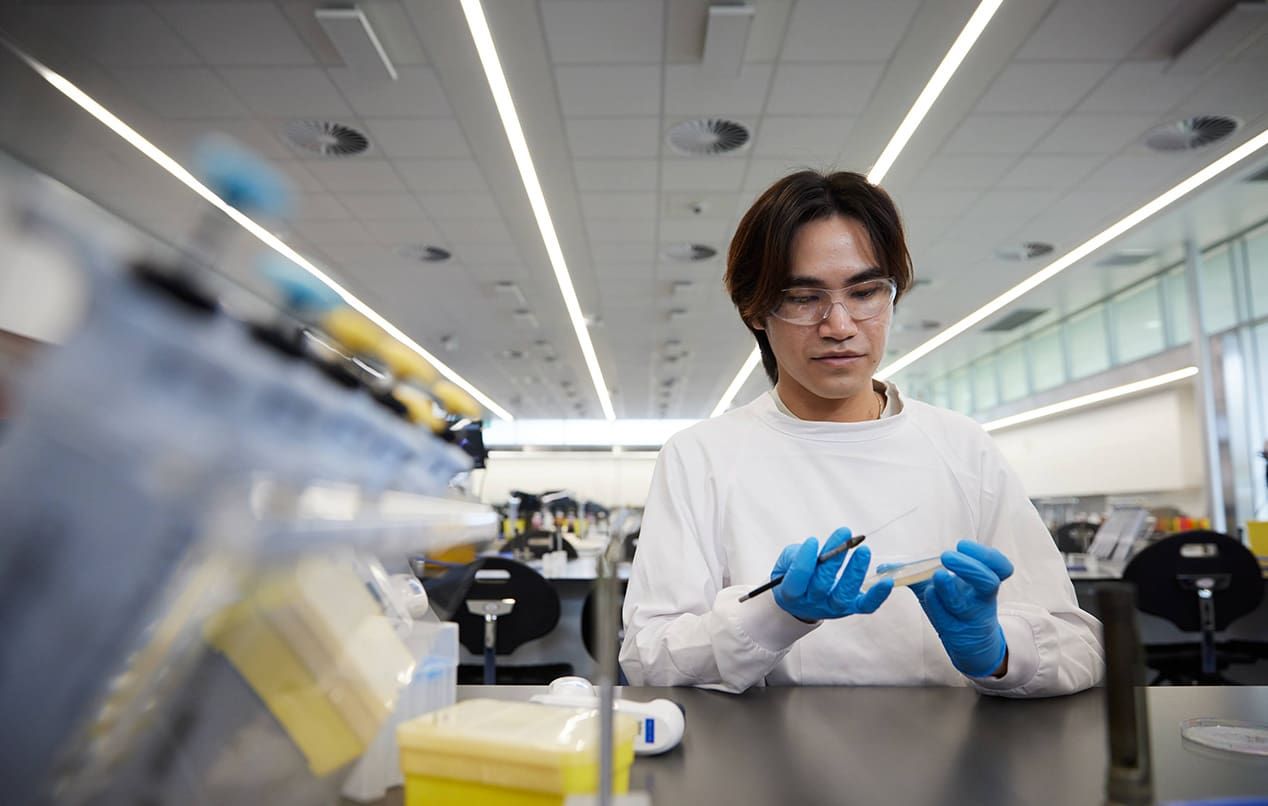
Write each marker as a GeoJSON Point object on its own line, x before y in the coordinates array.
{"type": "Point", "coordinates": [514, 753]}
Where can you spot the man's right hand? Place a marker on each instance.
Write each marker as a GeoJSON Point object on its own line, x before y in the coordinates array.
{"type": "Point", "coordinates": [810, 590]}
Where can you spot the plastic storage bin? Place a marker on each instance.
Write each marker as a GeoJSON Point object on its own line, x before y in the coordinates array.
{"type": "Point", "coordinates": [512, 753]}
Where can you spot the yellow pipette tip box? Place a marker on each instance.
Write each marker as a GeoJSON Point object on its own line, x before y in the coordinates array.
{"type": "Point", "coordinates": [405, 363]}
{"type": "Point", "coordinates": [455, 400]}
{"type": "Point", "coordinates": [353, 330]}
{"type": "Point", "coordinates": [509, 753]}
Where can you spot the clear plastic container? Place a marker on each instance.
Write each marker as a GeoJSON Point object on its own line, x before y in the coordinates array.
{"type": "Point", "coordinates": [905, 570]}
{"type": "Point", "coordinates": [1231, 735]}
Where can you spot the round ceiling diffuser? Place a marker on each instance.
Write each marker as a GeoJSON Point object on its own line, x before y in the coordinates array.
{"type": "Point", "coordinates": [1027, 250]}
{"type": "Point", "coordinates": [425, 253]}
{"type": "Point", "coordinates": [1191, 133]}
{"type": "Point", "coordinates": [707, 137]}
{"type": "Point", "coordinates": [326, 138]}
{"type": "Point", "coordinates": [688, 252]}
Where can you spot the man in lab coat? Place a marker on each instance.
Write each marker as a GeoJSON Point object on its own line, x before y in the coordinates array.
{"type": "Point", "coordinates": [761, 491]}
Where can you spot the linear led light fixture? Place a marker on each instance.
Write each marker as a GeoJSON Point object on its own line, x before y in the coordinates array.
{"type": "Point", "coordinates": [1150, 209]}
{"type": "Point", "coordinates": [936, 84]}
{"type": "Point", "coordinates": [483, 39]}
{"type": "Point", "coordinates": [1090, 399]}
{"type": "Point", "coordinates": [112, 122]}
{"type": "Point", "coordinates": [915, 116]}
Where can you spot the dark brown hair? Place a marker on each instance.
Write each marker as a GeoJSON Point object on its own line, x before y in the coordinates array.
{"type": "Point", "coordinates": [757, 264]}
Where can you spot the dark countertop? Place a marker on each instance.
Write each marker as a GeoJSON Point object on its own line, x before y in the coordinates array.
{"type": "Point", "coordinates": [914, 746]}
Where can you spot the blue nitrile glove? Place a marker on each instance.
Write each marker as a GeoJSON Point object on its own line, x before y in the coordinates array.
{"type": "Point", "coordinates": [960, 604]}
{"type": "Point", "coordinates": [810, 590]}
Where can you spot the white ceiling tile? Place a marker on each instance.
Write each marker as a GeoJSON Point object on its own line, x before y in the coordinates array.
{"type": "Point", "coordinates": [618, 205]}
{"type": "Point", "coordinates": [356, 175]}
{"type": "Point", "coordinates": [286, 91]}
{"type": "Point", "coordinates": [595, 90]}
{"type": "Point", "coordinates": [382, 206]}
{"type": "Point", "coordinates": [178, 137]}
{"type": "Point", "coordinates": [1142, 172]}
{"type": "Point", "coordinates": [237, 33]}
{"type": "Point", "coordinates": [616, 174]}
{"type": "Point", "coordinates": [707, 231]}
{"type": "Point", "coordinates": [400, 231]}
{"type": "Point", "coordinates": [444, 207]}
{"type": "Point", "coordinates": [111, 34]}
{"type": "Point", "coordinates": [416, 93]}
{"type": "Point", "coordinates": [1095, 134]}
{"type": "Point", "coordinates": [1000, 212]}
{"type": "Point", "coordinates": [918, 205]}
{"type": "Point", "coordinates": [1237, 88]}
{"type": "Point", "coordinates": [816, 140]}
{"type": "Point", "coordinates": [831, 30]}
{"type": "Point", "coordinates": [622, 253]}
{"type": "Point", "coordinates": [613, 137]}
{"type": "Point", "coordinates": [418, 137]}
{"type": "Point", "coordinates": [823, 89]}
{"type": "Point", "coordinates": [719, 174]}
{"type": "Point", "coordinates": [1095, 29]}
{"type": "Point", "coordinates": [1082, 213]}
{"type": "Point", "coordinates": [1042, 86]}
{"type": "Point", "coordinates": [954, 172]}
{"type": "Point", "coordinates": [620, 229]}
{"type": "Point", "coordinates": [582, 31]}
{"type": "Point", "coordinates": [692, 90]}
{"type": "Point", "coordinates": [318, 207]}
{"type": "Point", "coordinates": [392, 25]}
{"type": "Point", "coordinates": [442, 176]}
{"type": "Point", "coordinates": [489, 254]}
{"type": "Point", "coordinates": [1057, 172]}
{"type": "Point", "coordinates": [998, 134]}
{"type": "Point", "coordinates": [180, 92]}
{"type": "Point", "coordinates": [1136, 87]}
{"type": "Point", "coordinates": [473, 230]}
{"type": "Point", "coordinates": [762, 173]}
{"type": "Point", "coordinates": [300, 178]}
{"type": "Point", "coordinates": [333, 231]}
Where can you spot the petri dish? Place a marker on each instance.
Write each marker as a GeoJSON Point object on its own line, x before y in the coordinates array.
{"type": "Point", "coordinates": [1232, 735]}
{"type": "Point", "coordinates": [907, 572]}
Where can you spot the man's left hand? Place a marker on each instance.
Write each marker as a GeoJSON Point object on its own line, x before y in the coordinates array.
{"type": "Point", "coordinates": [960, 602]}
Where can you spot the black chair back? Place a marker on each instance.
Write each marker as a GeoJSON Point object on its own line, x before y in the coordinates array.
{"type": "Point", "coordinates": [1075, 537]}
{"type": "Point", "coordinates": [590, 622]}
{"type": "Point", "coordinates": [1168, 574]}
{"type": "Point", "coordinates": [535, 614]}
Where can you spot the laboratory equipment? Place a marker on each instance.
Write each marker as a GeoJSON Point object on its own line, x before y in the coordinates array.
{"type": "Point", "coordinates": [1232, 735]}
{"type": "Point", "coordinates": [510, 753]}
{"type": "Point", "coordinates": [1129, 778]}
{"type": "Point", "coordinates": [661, 722]}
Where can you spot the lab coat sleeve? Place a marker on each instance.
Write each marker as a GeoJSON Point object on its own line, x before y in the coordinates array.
{"type": "Point", "coordinates": [1054, 647]}
{"type": "Point", "coordinates": [683, 625]}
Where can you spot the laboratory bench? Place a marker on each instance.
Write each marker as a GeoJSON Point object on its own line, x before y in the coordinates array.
{"type": "Point", "coordinates": [914, 746]}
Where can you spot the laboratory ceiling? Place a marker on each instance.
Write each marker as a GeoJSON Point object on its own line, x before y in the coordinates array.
{"type": "Point", "coordinates": [1038, 137]}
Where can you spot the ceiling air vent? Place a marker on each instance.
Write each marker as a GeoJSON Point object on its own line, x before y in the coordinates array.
{"type": "Point", "coordinates": [1015, 320]}
{"type": "Point", "coordinates": [1191, 133]}
{"type": "Point", "coordinates": [688, 252]}
{"type": "Point", "coordinates": [1029, 250]}
{"type": "Point", "coordinates": [707, 137]}
{"type": "Point", "coordinates": [326, 138]}
{"type": "Point", "coordinates": [424, 253]}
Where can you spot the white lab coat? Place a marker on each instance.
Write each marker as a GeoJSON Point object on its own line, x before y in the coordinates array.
{"type": "Point", "coordinates": [729, 493]}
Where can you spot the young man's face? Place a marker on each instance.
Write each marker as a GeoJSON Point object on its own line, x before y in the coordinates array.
{"type": "Point", "coordinates": [825, 369]}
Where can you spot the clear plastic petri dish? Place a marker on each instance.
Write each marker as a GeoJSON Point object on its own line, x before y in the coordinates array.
{"type": "Point", "coordinates": [906, 571]}
{"type": "Point", "coordinates": [1232, 735]}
